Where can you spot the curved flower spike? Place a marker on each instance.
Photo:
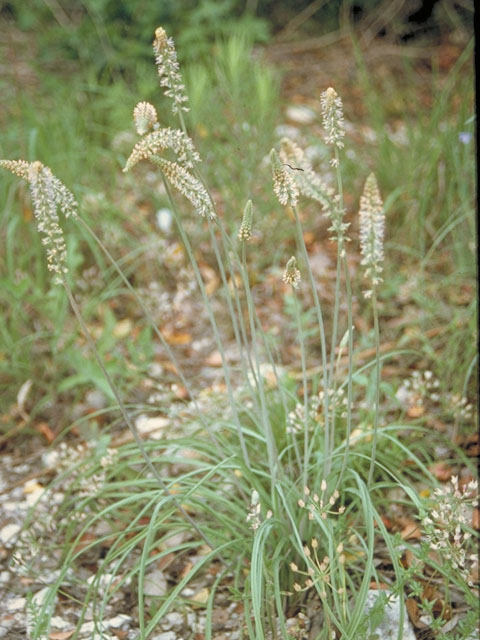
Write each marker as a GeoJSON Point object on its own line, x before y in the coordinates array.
{"type": "Point", "coordinates": [48, 193]}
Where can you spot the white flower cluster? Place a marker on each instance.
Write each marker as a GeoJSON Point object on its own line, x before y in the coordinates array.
{"type": "Point", "coordinates": [84, 475]}
{"type": "Point", "coordinates": [462, 409]}
{"type": "Point", "coordinates": [372, 229]}
{"type": "Point", "coordinates": [169, 70]}
{"type": "Point", "coordinates": [48, 194]}
{"type": "Point", "coordinates": [418, 388]}
{"type": "Point", "coordinates": [446, 526]}
{"type": "Point", "coordinates": [423, 387]}
{"type": "Point", "coordinates": [332, 115]}
{"type": "Point", "coordinates": [319, 505]}
{"type": "Point", "coordinates": [337, 401]}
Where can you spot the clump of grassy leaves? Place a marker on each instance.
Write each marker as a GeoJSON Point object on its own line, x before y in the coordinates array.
{"type": "Point", "coordinates": [269, 504]}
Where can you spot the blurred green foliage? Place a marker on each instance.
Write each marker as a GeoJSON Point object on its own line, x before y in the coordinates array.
{"type": "Point", "coordinates": [112, 36]}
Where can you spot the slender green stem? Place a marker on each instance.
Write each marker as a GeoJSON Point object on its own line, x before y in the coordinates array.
{"type": "Point", "coordinates": [238, 325]}
{"type": "Point", "coordinates": [213, 322]}
{"type": "Point", "coordinates": [127, 418]}
{"type": "Point", "coordinates": [226, 244]}
{"type": "Point", "coordinates": [271, 447]}
{"type": "Point", "coordinates": [340, 254]}
{"type": "Point", "coordinates": [348, 286]}
{"type": "Point", "coordinates": [332, 383]}
{"type": "Point", "coordinates": [377, 385]}
{"type": "Point", "coordinates": [321, 328]}
{"type": "Point", "coordinates": [199, 412]}
{"type": "Point", "coordinates": [153, 325]}
{"type": "Point", "coordinates": [301, 341]}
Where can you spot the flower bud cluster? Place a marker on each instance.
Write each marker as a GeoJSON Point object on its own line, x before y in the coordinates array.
{"type": "Point", "coordinates": [245, 231]}
{"type": "Point", "coordinates": [254, 515]}
{"type": "Point", "coordinates": [318, 571]}
{"type": "Point", "coordinates": [145, 117]}
{"type": "Point", "coordinates": [320, 506]}
{"type": "Point", "coordinates": [292, 275]}
{"type": "Point", "coordinates": [446, 527]}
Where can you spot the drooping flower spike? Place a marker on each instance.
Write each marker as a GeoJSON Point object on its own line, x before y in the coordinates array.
{"type": "Point", "coordinates": [161, 139]}
{"type": "Point", "coordinates": [48, 194]}
{"type": "Point", "coordinates": [187, 184]}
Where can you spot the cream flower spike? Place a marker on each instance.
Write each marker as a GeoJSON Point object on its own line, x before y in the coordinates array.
{"type": "Point", "coordinates": [309, 183]}
{"type": "Point", "coordinates": [245, 231]}
{"type": "Point", "coordinates": [169, 70]}
{"type": "Point", "coordinates": [292, 275]}
{"type": "Point", "coordinates": [332, 114]}
{"type": "Point", "coordinates": [284, 185]}
{"type": "Point", "coordinates": [48, 194]}
{"type": "Point", "coordinates": [372, 230]}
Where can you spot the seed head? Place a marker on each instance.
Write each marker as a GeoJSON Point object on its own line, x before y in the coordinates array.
{"type": "Point", "coordinates": [169, 70]}
{"type": "Point", "coordinates": [332, 114]}
{"type": "Point", "coordinates": [284, 185]}
{"type": "Point", "coordinates": [48, 194]}
{"type": "Point", "coordinates": [245, 231]}
{"type": "Point", "coordinates": [292, 275]}
{"type": "Point", "coordinates": [187, 184]}
{"type": "Point", "coordinates": [372, 228]}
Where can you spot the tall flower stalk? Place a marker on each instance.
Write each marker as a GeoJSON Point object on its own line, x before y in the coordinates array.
{"type": "Point", "coordinates": [372, 229]}
{"type": "Point", "coordinates": [310, 185]}
{"type": "Point", "coordinates": [333, 124]}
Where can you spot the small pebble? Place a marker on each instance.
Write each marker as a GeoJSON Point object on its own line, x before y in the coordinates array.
{"type": "Point", "coordinates": [171, 620]}
{"type": "Point", "coordinates": [9, 534]}
{"type": "Point", "coordinates": [16, 604]}
{"type": "Point", "coordinates": [168, 635]}
{"type": "Point", "coordinates": [118, 621]}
